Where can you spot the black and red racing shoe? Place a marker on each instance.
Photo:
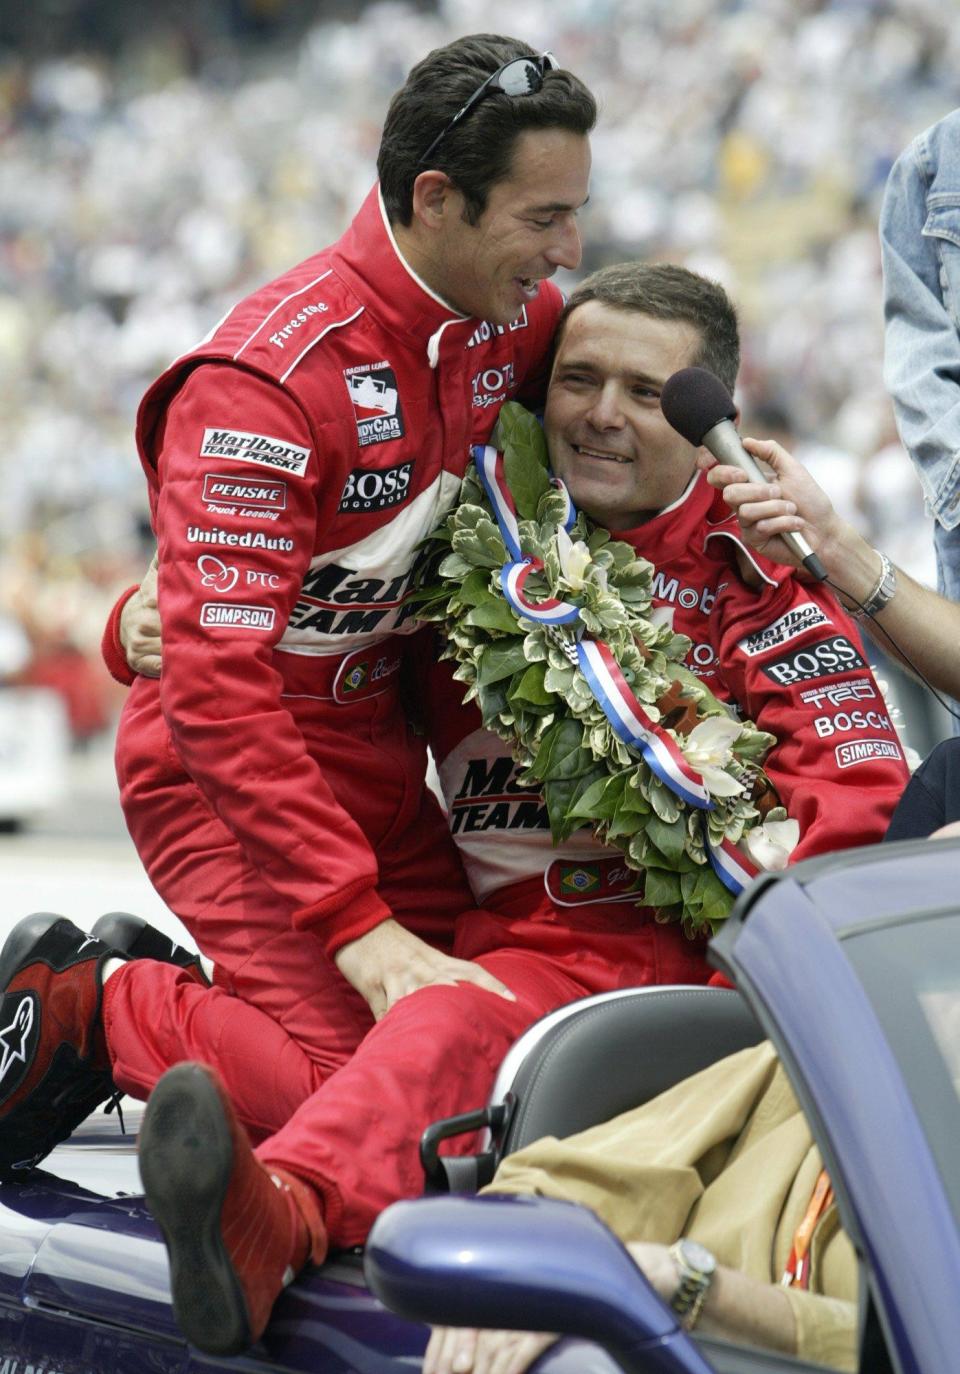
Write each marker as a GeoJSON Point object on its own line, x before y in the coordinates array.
{"type": "Point", "coordinates": [54, 1066]}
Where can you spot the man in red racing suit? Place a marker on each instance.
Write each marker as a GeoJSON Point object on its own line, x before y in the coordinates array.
{"type": "Point", "coordinates": [295, 460]}
{"type": "Point", "coordinates": [346, 1146]}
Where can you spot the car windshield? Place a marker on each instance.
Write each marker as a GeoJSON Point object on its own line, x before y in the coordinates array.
{"type": "Point", "coordinates": [911, 973]}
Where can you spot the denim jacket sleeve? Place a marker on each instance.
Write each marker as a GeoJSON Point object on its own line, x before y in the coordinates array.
{"type": "Point", "coordinates": [920, 250]}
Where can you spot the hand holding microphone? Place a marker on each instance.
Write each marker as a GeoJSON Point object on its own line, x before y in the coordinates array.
{"type": "Point", "coordinates": [699, 407]}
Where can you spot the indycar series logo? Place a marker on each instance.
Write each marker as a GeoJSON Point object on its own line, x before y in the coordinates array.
{"type": "Point", "coordinates": [372, 387]}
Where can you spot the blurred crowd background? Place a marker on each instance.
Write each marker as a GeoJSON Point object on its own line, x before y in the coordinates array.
{"type": "Point", "coordinates": [158, 161]}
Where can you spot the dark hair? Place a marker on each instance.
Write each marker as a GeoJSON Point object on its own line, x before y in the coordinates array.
{"type": "Point", "coordinates": [479, 151]}
{"type": "Point", "coordinates": [667, 292]}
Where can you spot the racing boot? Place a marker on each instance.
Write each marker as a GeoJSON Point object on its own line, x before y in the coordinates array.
{"type": "Point", "coordinates": [237, 1232]}
{"type": "Point", "coordinates": [137, 939]}
{"type": "Point", "coordinates": [54, 1066]}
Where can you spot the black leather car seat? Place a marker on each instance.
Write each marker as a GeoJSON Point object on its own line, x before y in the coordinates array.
{"type": "Point", "coordinates": [587, 1062]}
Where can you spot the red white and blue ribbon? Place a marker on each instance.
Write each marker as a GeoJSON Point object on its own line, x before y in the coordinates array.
{"type": "Point", "coordinates": [635, 727]}
{"type": "Point", "coordinates": [730, 864]}
{"type": "Point", "coordinates": [549, 612]}
{"type": "Point", "coordinates": [489, 464]}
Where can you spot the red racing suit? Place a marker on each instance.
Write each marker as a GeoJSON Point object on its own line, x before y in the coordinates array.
{"type": "Point", "coordinates": [783, 653]}
{"type": "Point", "coordinates": [786, 654]}
{"type": "Point", "coordinates": [294, 460]}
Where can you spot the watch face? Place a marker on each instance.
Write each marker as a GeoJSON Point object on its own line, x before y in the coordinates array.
{"type": "Point", "coordinates": [697, 1256]}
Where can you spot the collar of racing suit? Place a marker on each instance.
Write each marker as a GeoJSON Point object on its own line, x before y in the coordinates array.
{"type": "Point", "coordinates": [699, 518]}
{"type": "Point", "coordinates": [367, 257]}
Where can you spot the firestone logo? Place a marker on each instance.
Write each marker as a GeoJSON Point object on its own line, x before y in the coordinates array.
{"type": "Point", "coordinates": [300, 318]}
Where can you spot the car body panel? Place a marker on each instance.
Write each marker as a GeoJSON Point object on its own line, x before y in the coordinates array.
{"type": "Point", "coordinates": [83, 1272]}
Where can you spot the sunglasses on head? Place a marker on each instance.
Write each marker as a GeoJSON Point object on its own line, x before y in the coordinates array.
{"type": "Point", "coordinates": [522, 76]}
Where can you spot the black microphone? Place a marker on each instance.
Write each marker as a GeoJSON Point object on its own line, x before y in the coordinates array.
{"type": "Point", "coordinates": [699, 406]}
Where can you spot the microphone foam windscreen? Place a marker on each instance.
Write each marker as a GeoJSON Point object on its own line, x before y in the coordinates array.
{"type": "Point", "coordinates": [693, 400]}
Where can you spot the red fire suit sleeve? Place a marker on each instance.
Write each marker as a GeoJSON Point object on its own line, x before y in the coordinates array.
{"type": "Point", "coordinates": [795, 664]}
{"type": "Point", "coordinates": [110, 646]}
{"type": "Point", "coordinates": [223, 607]}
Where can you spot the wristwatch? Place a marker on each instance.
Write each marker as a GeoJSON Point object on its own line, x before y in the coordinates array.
{"type": "Point", "coordinates": [696, 1267]}
{"type": "Point", "coordinates": [882, 594]}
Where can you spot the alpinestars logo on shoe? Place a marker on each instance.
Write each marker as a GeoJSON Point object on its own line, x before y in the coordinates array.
{"type": "Point", "coordinates": [17, 1039]}
{"type": "Point", "coordinates": [372, 388]}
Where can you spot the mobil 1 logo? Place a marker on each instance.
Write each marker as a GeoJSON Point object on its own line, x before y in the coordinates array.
{"type": "Point", "coordinates": [372, 387]}
{"type": "Point", "coordinates": [826, 658]}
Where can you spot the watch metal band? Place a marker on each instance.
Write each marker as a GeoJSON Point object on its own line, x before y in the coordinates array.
{"type": "Point", "coordinates": [695, 1267]}
{"type": "Point", "coordinates": [882, 594]}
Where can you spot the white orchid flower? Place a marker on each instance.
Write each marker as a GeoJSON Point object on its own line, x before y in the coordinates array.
{"type": "Point", "coordinates": [575, 559]}
{"type": "Point", "coordinates": [770, 845]}
{"type": "Point", "coordinates": [707, 749]}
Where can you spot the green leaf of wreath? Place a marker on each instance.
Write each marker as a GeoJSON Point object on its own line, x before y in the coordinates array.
{"type": "Point", "coordinates": [474, 590]}
{"type": "Point", "coordinates": [520, 437]}
{"type": "Point", "coordinates": [531, 688]}
{"type": "Point", "coordinates": [498, 661]}
{"type": "Point", "coordinates": [661, 888]}
{"type": "Point", "coordinates": [492, 615]}
{"type": "Point", "coordinates": [561, 754]}
{"type": "Point", "coordinates": [602, 799]}
{"type": "Point", "coordinates": [668, 837]}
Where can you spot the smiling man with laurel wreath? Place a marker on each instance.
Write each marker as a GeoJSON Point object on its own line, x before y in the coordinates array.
{"type": "Point", "coordinates": [772, 740]}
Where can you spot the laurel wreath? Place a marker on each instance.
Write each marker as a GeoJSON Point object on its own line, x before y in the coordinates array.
{"type": "Point", "coordinates": [531, 694]}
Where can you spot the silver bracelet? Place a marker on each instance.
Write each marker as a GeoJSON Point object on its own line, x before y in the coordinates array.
{"type": "Point", "coordinates": [882, 594]}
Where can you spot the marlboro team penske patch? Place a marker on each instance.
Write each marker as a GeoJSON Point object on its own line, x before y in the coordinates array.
{"type": "Point", "coordinates": [243, 447]}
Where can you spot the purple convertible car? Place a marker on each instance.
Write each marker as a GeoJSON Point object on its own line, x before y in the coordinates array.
{"type": "Point", "coordinates": [850, 964]}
